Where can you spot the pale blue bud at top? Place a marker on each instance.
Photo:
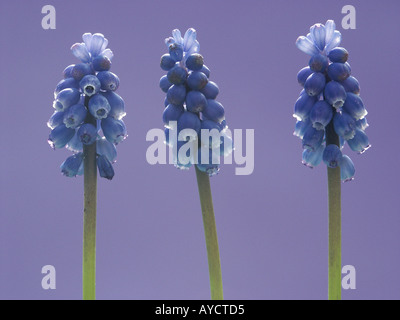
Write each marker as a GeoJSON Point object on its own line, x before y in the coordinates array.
{"type": "Point", "coordinates": [176, 34]}
{"type": "Point", "coordinates": [96, 44]}
{"type": "Point", "coordinates": [335, 94]}
{"type": "Point", "coordinates": [189, 39]}
{"type": "Point", "coordinates": [306, 45]}
{"type": "Point", "coordinates": [114, 130]}
{"type": "Point", "coordinates": [347, 169]}
{"type": "Point", "coordinates": [87, 39]}
{"type": "Point", "coordinates": [311, 158]}
{"type": "Point", "coordinates": [70, 167]}
{"type": "Point", "coordinates": [335, 41]}
{"type": "Point", "coordinates": [359, 143]}
{"type": "Point", "coordinates": [108, 53]}
{"type": "Point", "coordinates": [317, 32]}
{"type": "Point", "coordinates": [106, 149]}
{"type": "Point", "coordinates": [90, 85]}
{"type": "Point", "coordinates": [60, 136]}
{"type": "Point", "coordinates": [332, 155]}
{"type": "Point", "coordinates": [105, 167]}
{"type": "Point", "coordinates": [99, 106]}
{"type": "Point", "coordinates": [354, 106]}
{"type": "Point", "coordinates": [195, 48]}
{"type": "Point", "coordinates": [330, 27]}
{"type": "Point", "coordinates": [80, 51]}
{"type": "Point", "coordinates": [321, 114]}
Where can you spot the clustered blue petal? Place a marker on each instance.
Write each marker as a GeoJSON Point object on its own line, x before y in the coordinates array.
{"type": "Point", "coordinates": [330, 97]}
{"type": "Point", "coordinates": [190, 104]}
{"type": "Point", "coordinates": [88, 92]}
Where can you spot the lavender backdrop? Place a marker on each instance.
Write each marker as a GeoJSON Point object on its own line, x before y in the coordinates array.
{"type": "Point", "coordinates": [150, 244]}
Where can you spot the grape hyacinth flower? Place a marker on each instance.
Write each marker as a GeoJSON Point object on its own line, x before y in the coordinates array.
{"type": "Point", "coordinates": [191, 109]}
{"type": "Point", "coordinates": [330, 112]}
{"type": "Point", "coordinates": [88, 121]}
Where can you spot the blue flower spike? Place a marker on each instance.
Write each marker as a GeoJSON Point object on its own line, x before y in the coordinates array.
{"type": "Point", "coordinates": [88, 122]}
{"type": "Point", "coordinates": [330, 116]}
{"type": "Point", "coordinates": [330, 96]}
{"type": "Point", "coordinates": [88, 90]}
{"type": "Point", "coordinates": [190, 95]}
{"type": "Point", "coordinates": [195, 129]}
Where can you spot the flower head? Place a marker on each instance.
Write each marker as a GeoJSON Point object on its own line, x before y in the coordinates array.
{"type": "Point", "coordinates": [329, 102]}
{"type": "Point", "coordinates": [86, 102]}
{"type": "Point", "coordinates": [190, 105]}
{"type": "Point", "coordinates": [321, 39]}
{"type": "Point", "coordinates": [93, 45]}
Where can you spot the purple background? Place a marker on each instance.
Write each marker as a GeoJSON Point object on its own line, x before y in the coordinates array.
{"type": "Point", "coordinates": [272, 225]}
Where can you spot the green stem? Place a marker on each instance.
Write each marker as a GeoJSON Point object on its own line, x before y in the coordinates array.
{"type": "Point", "coordinates": [210, 232]}
{"type": "Point", "coordinates": [89, 219]}
{"type": "Point", "coordinates": [335, 224]}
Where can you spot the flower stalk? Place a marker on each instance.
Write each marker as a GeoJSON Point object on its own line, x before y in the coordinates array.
{"type": "Point", "coordinates": [335, 232]}
{"type": "Point", "coordinates": [210, 232]}
{"type": "Point", "coordinates": [89, 218]}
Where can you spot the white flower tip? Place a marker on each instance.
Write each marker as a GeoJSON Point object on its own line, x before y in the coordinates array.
{"type": "Point", "coordinates": [189, 38]}
{"type": "Point", "coordinates": [190, 30]}
{"type": "Point", "coordinates": [330, 24]}
{"type": "Point", "coordinates": [108, 53]}
{"type": "Point", "coordinates": [86, 36]}
{"type": "Point", "coordinates": [99, 35]}
{"type": "Point", "coordinates": [74, 46]}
